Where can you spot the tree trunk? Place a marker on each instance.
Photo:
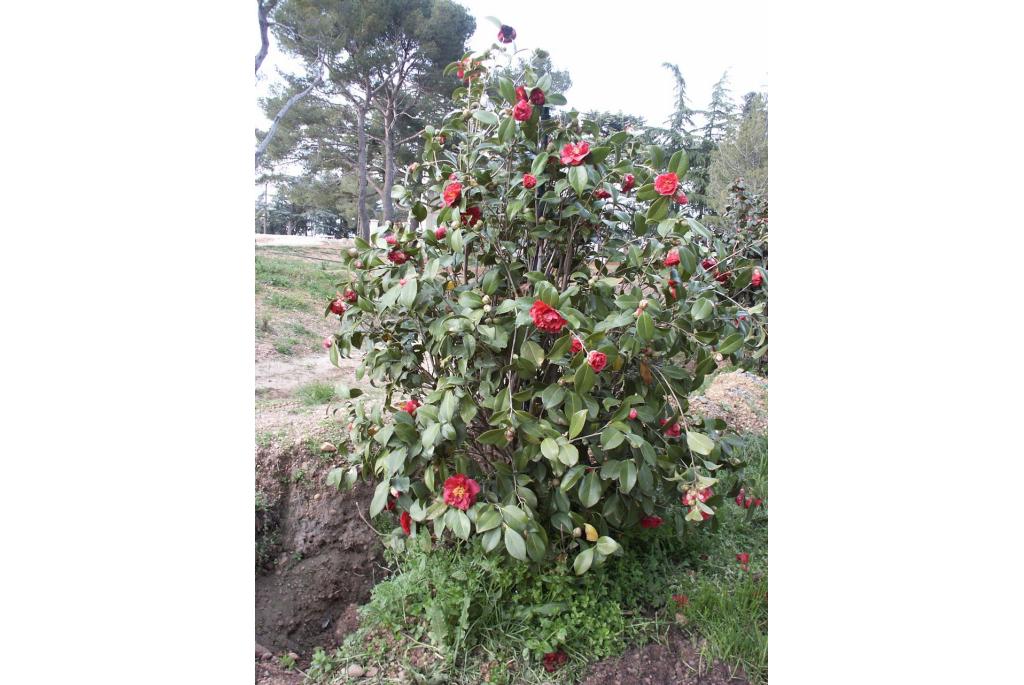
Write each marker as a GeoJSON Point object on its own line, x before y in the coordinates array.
{"type": "Point", "coordinates": [264, 10]}
{"type": "Point", "coordinates": [363, 219]}
{"type": "Point", "coordinates": [389, 172]}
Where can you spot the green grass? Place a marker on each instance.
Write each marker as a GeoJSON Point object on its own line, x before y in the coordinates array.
{"type": "Point", "coordinates": [285, 346]}
{"type": "Point", "coordinates": [306, 278]}
{"type": "Point", "coordinates": [316, 393]}
{"type": "Point", "coordinates": [474, 612]}
{"type": "Point", "coordinates": [286, 301]}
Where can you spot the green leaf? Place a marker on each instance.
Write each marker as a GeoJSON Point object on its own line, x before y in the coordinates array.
{"type": "Point", "coordinates": [486, 118]}
{"type": "Point", "coordinates": [576, 423]}
{"type": "Point", "coordinates": [583, 561]}
{"type": "Point", "coordinates": [448, 406]}
{"type": "Point", "coordinates": [506, 131]}
{"type": "Point", "coordinates": [571, 477]}
{"type": "Point", "coordinates": [584, 379]}
{"type": "Point", "coordinates": [578, 179]}
{"type": "Point", "coordinates": [431, 434]}
{"type": "Point", "coordinates": [487, 519]}
{"type": "Point", "coordinates": [493, 437]}
{"type": "Point", "coordinates": [568, 454]}
{"type": "Point", "coordinates": [397, 191]}
{"type": "Point", "coordinates": [731, 344]}
{"type": "Point", "coordinates": [606, 545]}
{"type": "Point", "coordinates": [552, 396]}
{"type": "Point", "coordinates": [514, 517]}
{"type": "Point", "coordinates": [658, 210]}
{"type": "Point", "coordinates": [679, 164]}
{"type": "Point", "coordinates": [539, 163]}
{"type": "Point", "coordinates": [627, 476]}
{"type": "Point", "coordinates": [532, 352]}
{"type": "Point", "coordinates": [699, 443]}
{"type": "Point", "coordinates": [507, 89]}
{"type": "Point", "coordinates": [590, 489]}
{"type": "Point", "coordinates": [701, 309]}
{"type": "Point", "coordinates": [458, 522]}
{"type": "Point", "coordinates": [491, 540]}
{"type": "Point", "coordinates": [515, 544]}
{"type": "Point", "coordinates": [549, 448]}
{"type": "Point", "coordinates": [380, 498]}
{"type": "Point", "coordinates": [645, 326]}
{"type": "Point", "coordinates": [408, 295]}
{"type": "Point", "coordinates": [611, 438]}
{"type": "Point", "coordinates": [536, 545]}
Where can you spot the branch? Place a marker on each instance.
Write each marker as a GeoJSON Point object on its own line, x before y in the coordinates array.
{"type": "Point", "coordinates": [262, 147]}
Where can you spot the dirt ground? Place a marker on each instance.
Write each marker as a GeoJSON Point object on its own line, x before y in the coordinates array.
{"type": "Point", "coordinates": [739, 397]}
{"type": "Point", "coordinates": [678, 662]}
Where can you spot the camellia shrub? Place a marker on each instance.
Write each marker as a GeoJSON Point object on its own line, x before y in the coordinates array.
{"type": "Point", "coordinates": [536, 329]}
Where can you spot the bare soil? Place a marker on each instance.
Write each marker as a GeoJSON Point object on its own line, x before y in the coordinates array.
{"type": "Point", "coordinates": [677, 662]}
{"type": "Point", "coordinates": [739, 397]}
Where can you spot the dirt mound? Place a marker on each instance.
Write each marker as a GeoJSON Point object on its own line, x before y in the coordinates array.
{"type": "Point", "coordinates": [739, 397]}
{"type": "Point", "coordinates": [320, 559]}
{"type": "Point", "coordinates": [677, 662]}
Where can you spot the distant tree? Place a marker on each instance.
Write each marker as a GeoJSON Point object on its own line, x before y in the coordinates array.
{"type": "Point", "coordinates": [540, 62]}
{"type": "Point", "coordinates": [743, 155]}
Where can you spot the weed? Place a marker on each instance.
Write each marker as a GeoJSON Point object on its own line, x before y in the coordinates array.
{"type": "Point", "coordinates": [316, 393]}
{"type": "Point", "coordinates": [285, 301]}
{"type": "Point", "coordinates": [287, 661]}
{"type": "Point", "coordinates": [264, 324]}
{"type": "Point", "coordinates": [285, 346]}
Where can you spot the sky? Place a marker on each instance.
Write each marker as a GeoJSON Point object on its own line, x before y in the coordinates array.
{"type": "Point", "coordinates": [614, 50]}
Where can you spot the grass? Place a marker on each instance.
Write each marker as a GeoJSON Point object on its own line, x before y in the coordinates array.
{"type": "Point", "coordinates": [285, 346]}
{"type": "Point", "coordinates": [286, 301]}
{"type": "Point", "coordinates": [461, 616]}
{"type": "Point", "coordinates": [303, 278]}
{"type": "Point", "coordinates": [316, 393]}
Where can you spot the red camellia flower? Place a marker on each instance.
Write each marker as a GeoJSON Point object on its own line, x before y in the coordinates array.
{"type": "Point", "coordinates": [680, 600]}
{"type": "Point", "coordinates": [390, 506]}
{"type": "Point", "coordinates": [743, 558]}
{"type": "Point", "coordinates": [597, 360]}
{"type": "Point", "coordinates": [337, 307]}
{"type": "Point", "coordinates": [681, 198]}
{"type": "Point", "coordinates": [576, 346]}
{"type": "Point", "coordinates": [632, 414]}
{"type": "Point", "coordinates": [406, 522]}
{"type": "Point", "coordinates": [757, 502]}
{"type": "Point", "coordinates": [460, 491]}
{"type": "Point", "coordinates": [705, 494]}
{"type": "Point", "coordinates": [755, 279]}
{"type": "Point", "coordinates": [521, 93]}
{"type": "Point", "coordinates": [350, 296]}
{"type": "Point", "coordinates": [327, 343]}
{"type": "Point", "coordinates": [522, 111]}
{"type": "Point", "coordinates": [554, 660]}
{"type": "Point", "coordinates": [411, 406]}
{"type": "Point", "coordinates": [674, 431]}
{"type": "Point", "coordinates": [723, 277]}
{"type": "Point", "coordinates": [471, 216]}
{"type": "Point", "coordinates": [545, 318]}
{"type": "Point", "coordinates": [739, 497]}
{"type": "Point", "coordinates": [398, 257]}
{"type": "Point", "coordinates": [628, 181]}
{"type": "Point", "coordinates": [650, 522]}
{"type": "Point", "coordinates": [602, 194]}
{"type": "Point", "coordinates": [529, 181]}
{"type": "Point", "coordinates": [704, 516]}
{"type": "Point", "coordinates": [506, 34]}
{"type": "Point", "coordinates": [663, 421]}
{"type": "Point", "coordinates": [537, 97]}
{"type": "Point", "coordinates": [452, 193]}
{"type": "Point", "coordinates": [673, 257]}
{"type": "Point", "coordinates": [708, 263]}
{"type": "Point", "coordinates": [573, 155]}
{"type": "Point", "coordinates": [440, 232]}
{"type": "Point", "coordinates": [390, 239]}
{"type": "Point", "coordinates": [666, 184]}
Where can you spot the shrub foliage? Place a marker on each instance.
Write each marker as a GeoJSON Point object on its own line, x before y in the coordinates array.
{"type": "Point", "coordinates": [537, 327]}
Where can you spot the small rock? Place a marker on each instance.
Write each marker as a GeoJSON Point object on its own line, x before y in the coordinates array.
{"type": "Point", "coordinates": [372, 671]}
{"type": "Point", "coordinates": [355, 671]}
{"type": "Point", "coordinates": [263, 653]}
{"type": "Point", "coordinates": [328, 447]}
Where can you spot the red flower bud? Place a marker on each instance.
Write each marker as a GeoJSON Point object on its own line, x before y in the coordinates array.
{"type": "Point", "coordinates": [597, 360]}
{"type": "Point", "coordinates": [537, 96]}
{"type": "Point", "coordinates": [506, 34]}
{"type": "Point", "coordinates": [440, 232]}
{"type": "Point", "coordinates": [328, 342]}
{"type": "Point", "coordinates": [529, 181]}
{"type": "Point", "coordinates": [576, 346]}
{"type": "Point", "coordinates": [755, 279]}
{"type": "Point", "coordinates": [650, 522]}
{"type": "Point", "coordinates": [337, 307]}
{"type": "Point", "coordinates": [628, 181]}
{"type": "Point", "coordinates": [602, 194]}
{"type": "Point", "coordinates": [398, 257]}
{"type": "Point", "coordinates": [708, 263]}
{"type": "Point", "coordinates": [672, 258]}
{"type": "Point", "coordinates": [521, 93]}
{"type": "Point", "coordinates": [632, 414]}
{"type": "Point", "coordinates": [406, 522]}
{"type": "Point", "coordinates": [680, 198]}
{"type": "Point", "coordinates": [350, 296]}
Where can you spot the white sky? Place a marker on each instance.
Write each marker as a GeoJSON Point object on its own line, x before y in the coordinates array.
{"type": "Point", "coordinates": [614, 50]}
